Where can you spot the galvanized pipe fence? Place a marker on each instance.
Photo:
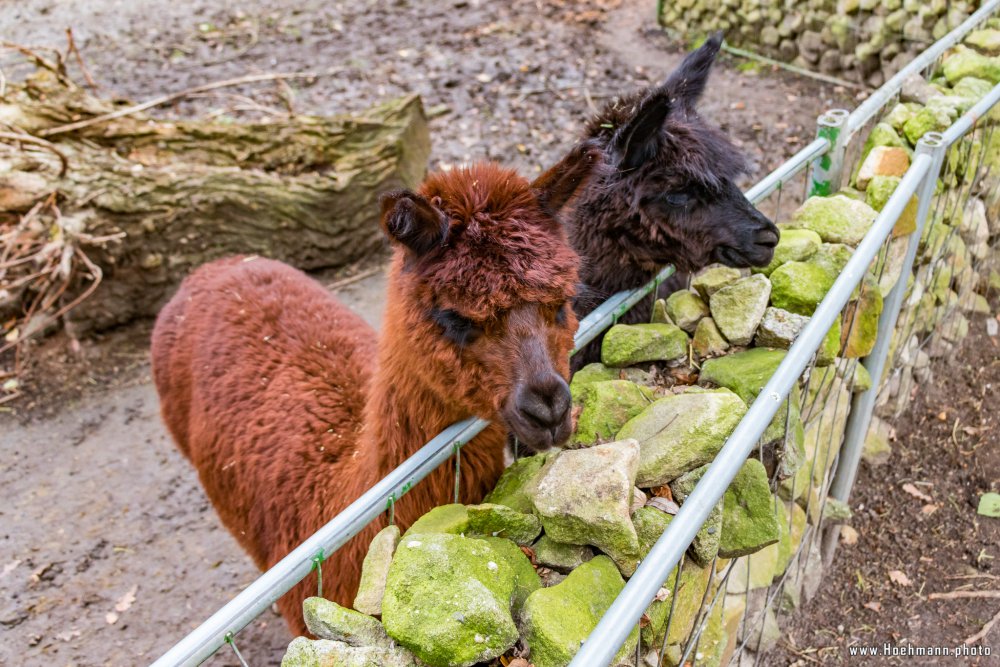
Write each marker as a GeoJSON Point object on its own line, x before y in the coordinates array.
{"type": "Point", "coordinates": [819, 166]}
{"type": "Point", "coordinates": [668, 553]}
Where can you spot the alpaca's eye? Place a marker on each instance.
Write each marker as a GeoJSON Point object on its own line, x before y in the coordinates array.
{"type": "Point", "coordinates": [456, 328]}
{"type": "Point", "coordinates": [677, 199]}
{"type": "Point", "coordinates": [562, 313]}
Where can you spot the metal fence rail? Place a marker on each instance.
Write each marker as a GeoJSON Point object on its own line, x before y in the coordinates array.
{"type": "Point", "coordinates": [668, 552]}
{"type": "Point", "coordinates": [222, 626]}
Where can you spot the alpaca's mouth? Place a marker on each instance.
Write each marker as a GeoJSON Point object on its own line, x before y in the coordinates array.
{"type": "Point", "coordinates": [534, 435]}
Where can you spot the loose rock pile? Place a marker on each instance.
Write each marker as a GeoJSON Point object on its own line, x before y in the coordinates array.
{"type": "Point", "coordinates": [530, 571]}
{"type": "Point", "coordinates": [866, 41]}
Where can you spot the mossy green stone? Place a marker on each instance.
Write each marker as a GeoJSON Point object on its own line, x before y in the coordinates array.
{"type": "Point", "coordinates": [685, 309]}
{"type": "Point", "coordinates": [924, 121]}
{"type": "Point", "coordinates": [649, 523]}
{"type": "Point", "coordinates": [738, 308]}
{"type": "Point", "coordinates": [584, 496]}
{"type": "Point", "coordinates": [832, 257]}
{"type": "Point", "coordinates": [705, 545]}
{"type": "Point", "coordinates": [830, 348]}
{"type": "Point", "coordinates": [798, 287]}
{"type": "Point", "coordinates": [453, 519]}
{"type": "Point", "coordinates": [304, 652]}
{"type": "Point", "coordinates": [690, 591]}
{"type": "Point", "coordinates": [449, 599]}
{"type": "Point", "coordinates": [709, 281]}
{"type": "Point", "coordinates": [837, 219]}
{"type": "Point", "coordinates": [748, 520]}
{"type": "Point", "coordinates": [374, 571]}
{"type": "Point", "coordinates": [513, 487]}
{"type": "Point", "coordinates": [606, 406]}
{"type": "Point", "coordinates": [560, 556]}
{"type": "Point", "coordinates": [968, 62]}
{"type": "Point", "coordinates": [328, 620]}
{"type": "Point", "coordinates": [595, 372]}
{"type": "Point", "coordinates": [659, 314]}
{"type": "Point", "coordinates": [794, 245]}
{"type": "Point", "coordinates": [493, 520]}
{"type": "Point", "coordinates": [972, 89]}
{"type": "Point", "coordinates": [744, 373]}
{"type": "Point", "coordinates": [680, 432]}
{"type": "Point", "coordinates": [628, 344]}
{"type": "Point", "coordinates": [526, 579]}
{"type": "Point", "coordinates": [985, 39]}
{"type": "Point", "coordinates": [555, 621]}
{"type": "Point", "coordinates": [860, 326]}
{"type": "Point", "coordinates": [896, 119]}
{"type": "Point", "coordinates": [708, 341]}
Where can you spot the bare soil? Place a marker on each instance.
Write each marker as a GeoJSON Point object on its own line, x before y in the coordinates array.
{"type": "Point", "coordinates": [109, 550]}
{"type": "Point", "coordinates": [947, 448]}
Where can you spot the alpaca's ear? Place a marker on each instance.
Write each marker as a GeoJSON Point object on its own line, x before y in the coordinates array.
{"type": "Point", "coordinates": [569, 176]}
{"type": "Point", "coordinates": [639, 140]}
{"type": "Point", "coordinates": [688, 81]}
{"type": "Point", "coordinates": [411, 220]}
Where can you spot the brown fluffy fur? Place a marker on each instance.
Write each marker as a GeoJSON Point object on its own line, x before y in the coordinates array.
{"type": "Point", "coordinates": [288, 409]}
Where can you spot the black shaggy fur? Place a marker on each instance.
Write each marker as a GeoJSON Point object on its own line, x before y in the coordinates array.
{"type": "Point", "coordinates": [669, 196]}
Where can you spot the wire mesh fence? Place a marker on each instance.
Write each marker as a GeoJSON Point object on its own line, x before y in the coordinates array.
{"type": "Point", "coordinates": [733, 606]}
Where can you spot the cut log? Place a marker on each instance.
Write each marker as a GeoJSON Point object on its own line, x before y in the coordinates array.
{"type": "Point", "coordinates": [161, 198]}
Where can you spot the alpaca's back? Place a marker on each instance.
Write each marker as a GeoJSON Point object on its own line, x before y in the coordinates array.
{"type": "Point", "coordinates": [262, 376]}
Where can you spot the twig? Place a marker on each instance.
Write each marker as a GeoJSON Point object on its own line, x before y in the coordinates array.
{"type": "Point", "coordinates": [3, 84]}
{"type": "Point", "coordinates": [30, 139]}
{"type": "Point", "coordinates": [164, 99]}
{"type": "Point", "coordinates": [58, 68]}
{"type": "Point", "coordinates": [71, 48]}
{"type": "Point", "coordinates": [985, 631]}
{"type": "Point", "coordinates": [801, 71]}
{"type": "Point", "coordinates": [954, 595]}
{"type": "Point", "coordinates": [974, 576]}
{"type": "Point", "coordinates": [337, 284]}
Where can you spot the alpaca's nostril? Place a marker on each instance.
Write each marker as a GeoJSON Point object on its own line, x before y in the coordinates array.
{"type": "Point", "coordinates": [546, 404]}
{"type": "Point", "coordinates": [766, 237]}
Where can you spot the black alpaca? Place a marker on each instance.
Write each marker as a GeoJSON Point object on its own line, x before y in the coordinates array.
{"type": "Point", "coordinates": [668, 197]}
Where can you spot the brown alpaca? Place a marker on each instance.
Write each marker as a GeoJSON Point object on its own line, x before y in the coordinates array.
{"type": "Point", "coordinates": [288, 408]}
{"type": "Point", "coordinates": [669, 195]}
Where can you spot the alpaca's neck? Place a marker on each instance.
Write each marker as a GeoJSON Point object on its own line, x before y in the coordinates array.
{"type": "Point", "coordinates": [408, 405]}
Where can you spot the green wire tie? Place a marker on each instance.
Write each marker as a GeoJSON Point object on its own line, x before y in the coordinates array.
{"type": "Point", "coordinates": [458, 470]}
{"type": "Point", "coordinates": [231, 640]}
{"type": "Point", "coordinates": [391, 508]}
{"type": "Point", "coordinates": [317, 562]}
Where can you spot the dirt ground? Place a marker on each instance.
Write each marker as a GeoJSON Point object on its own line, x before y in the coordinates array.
{"type": "Point", "coordinates": [109, 550]}
{"type": "Point", "coordinates": [947, 448]}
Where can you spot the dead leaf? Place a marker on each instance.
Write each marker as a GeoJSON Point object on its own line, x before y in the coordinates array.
{"type": "Point", "coordinates": [644, 621]}
{"type": "Point", "coordinates": [899, 577]}
{"type": "Point", "coordinates": [68, 635]}
{"type": "Point", "coordinates": [848, 536]}
{"type": "Point", "coordinates": [874, 606]}
{"type": "Point", "coordinates": [943, 416]}
{"type": "Point", "coordinates": [126, 600]}
{"type": "Point", "coordinates": [111, 617]}
{"type": "Point", "coordinates": [916, 493]}
{"type": "Point", "coordinates": [929, 509]}
{"type": "Point", "coordinates": [662, 492]}
{"type": "Point", "coordinates": [9, 567]}
{"type": "Point", "coordinates": [662, 594]}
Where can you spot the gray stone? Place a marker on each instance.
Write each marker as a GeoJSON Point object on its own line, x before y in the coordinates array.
{"type": "Point", "coordinates": [584, 497]}
{"type": "Point", "coordinates": [738, 308]}
{"type": "Point", "coordinates": [779, 328]}
{"type": "Point", "coordinates": [709, 281]}
{"type": "Point", "coordinates": [685, 309]}
{"type": "Point", "coordinates": [304, 652]}
{"type": "Point", "coordinates": [375, 570]}
{"type": "Point", "coordinates": [708, 341]}
{"type": "Point", "coordinates": [328, 620]}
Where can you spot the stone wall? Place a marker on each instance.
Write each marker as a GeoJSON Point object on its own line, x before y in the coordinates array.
{"type": "Point", "coordinates": [865, 41]}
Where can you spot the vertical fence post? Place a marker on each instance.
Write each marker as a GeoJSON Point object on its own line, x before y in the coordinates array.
{"type": "Point", "coordinates": [863, 404]}
{"type": "Point", "coordinates": [825, 177]}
